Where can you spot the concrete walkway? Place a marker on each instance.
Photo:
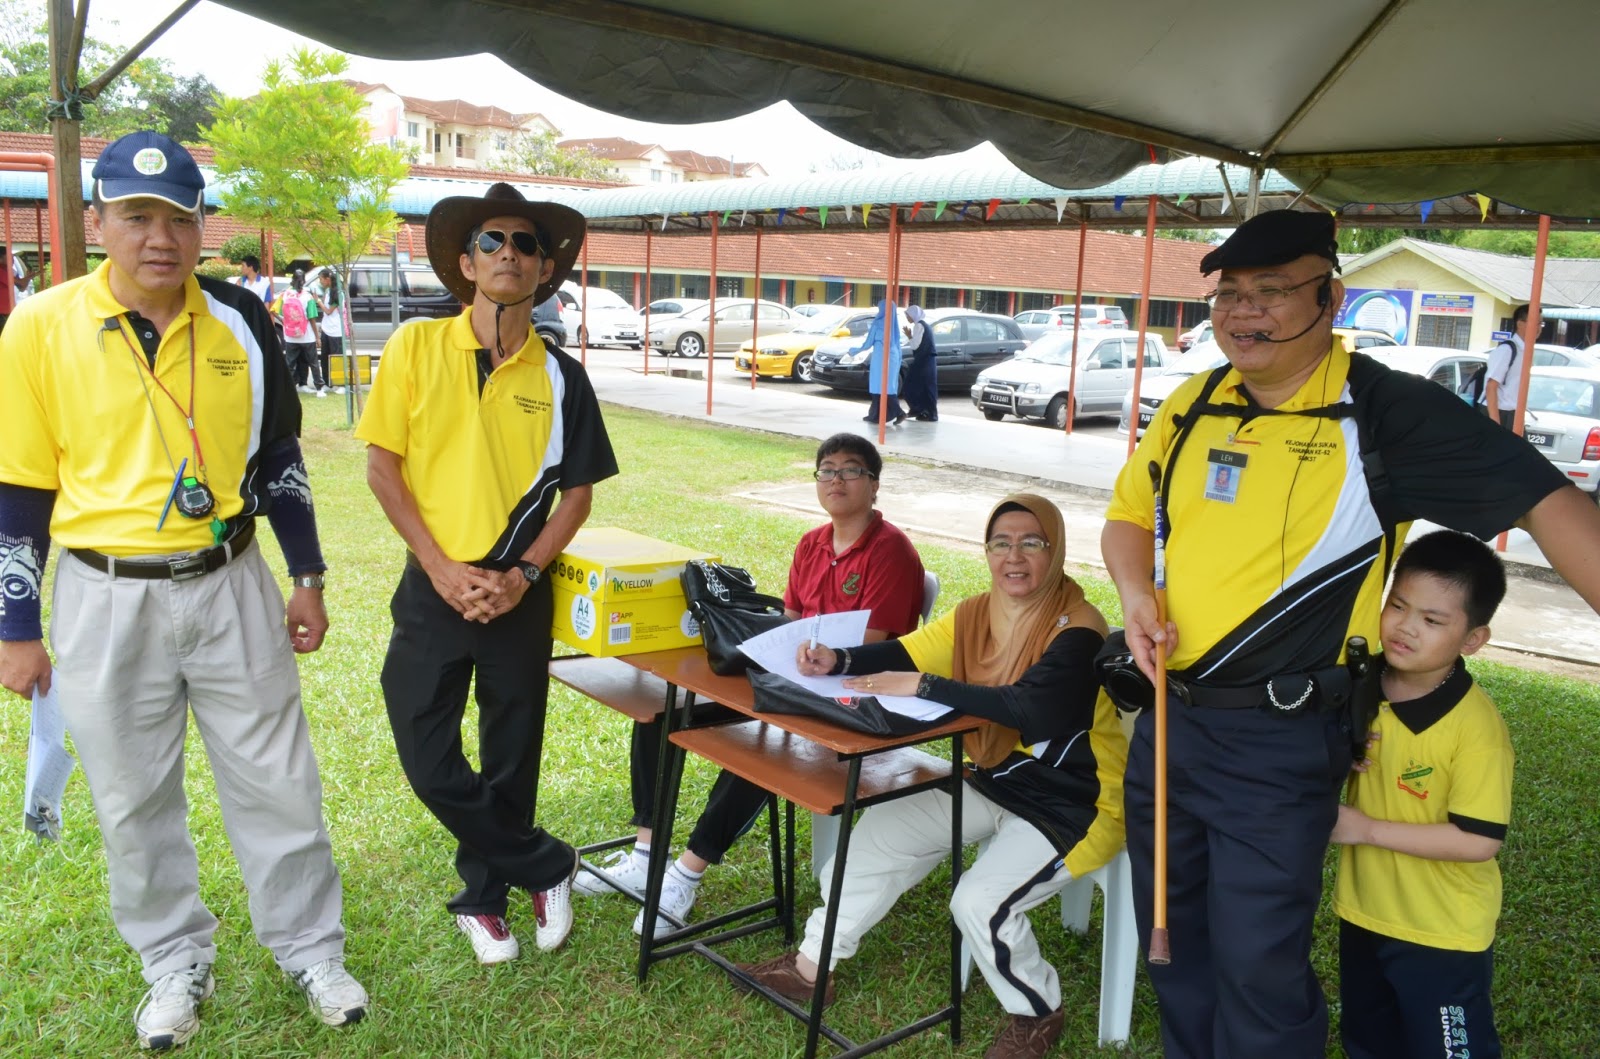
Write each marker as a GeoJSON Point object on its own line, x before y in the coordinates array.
{"type": "Point", "coordinates": [976, 462]}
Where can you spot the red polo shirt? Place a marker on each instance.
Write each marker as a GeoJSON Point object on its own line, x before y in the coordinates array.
{"type": "Point", "coordinates": [881, 572]}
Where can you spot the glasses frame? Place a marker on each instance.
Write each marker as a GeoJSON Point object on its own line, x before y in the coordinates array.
{"type": "Point", "coordinates": [1029, 545]}
{"type": "Point", "coordinates": [492, 240]}
{"type": "Point", "coordinates": [851, 473]}
{"type": "Point", "coordinates": [1275, 296]}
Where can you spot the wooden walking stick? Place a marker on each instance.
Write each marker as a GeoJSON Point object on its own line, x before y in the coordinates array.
{"type": "Point", "coordinates": [1160, 951]}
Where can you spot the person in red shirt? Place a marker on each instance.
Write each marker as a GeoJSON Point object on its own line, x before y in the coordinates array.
{"type": "Point", "coordinates": [854, 561]}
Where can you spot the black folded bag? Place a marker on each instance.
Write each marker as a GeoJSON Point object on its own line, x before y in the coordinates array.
{"type": "Point", "coordinates": [862, 713]}
{"type": "Point", "coordinates": [724, 601]}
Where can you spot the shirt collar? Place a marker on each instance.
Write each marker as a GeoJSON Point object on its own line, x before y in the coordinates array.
{"type": "Point", "coordinates": [1316, 392]}
{"type": "Point", "coordinates": [462, 336]}
{"type": "Point", "coordinates": [866, 536]}
{"type": "Point", "coordinates": [104, 305]}
{"type": "Point", "coordinates": [1422, 713]}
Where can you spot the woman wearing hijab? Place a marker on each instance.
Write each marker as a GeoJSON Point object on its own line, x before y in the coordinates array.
{"type": "Point", "coordinates": [1045, 788]}
{"type": "Point", "coordinates": [882, 324]}
{"type": "Point", "coordinates": [922, 383]}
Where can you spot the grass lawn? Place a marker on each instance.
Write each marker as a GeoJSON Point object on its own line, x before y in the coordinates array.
{"type": "Point", "coordinates": [68, 986]}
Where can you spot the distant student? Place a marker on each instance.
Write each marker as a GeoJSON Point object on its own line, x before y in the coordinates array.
{"type": "Point", "coordinates": [1418, 891]}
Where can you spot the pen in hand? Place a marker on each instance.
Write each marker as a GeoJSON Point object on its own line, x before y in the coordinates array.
{"type": "Point", "coordinates": [816, 630]}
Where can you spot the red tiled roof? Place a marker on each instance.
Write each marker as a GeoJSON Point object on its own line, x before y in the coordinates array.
{"type": "Point", "coordinates": [454, 111]}
{"type": "Point", "coordinates": [695, 162]}
{"type": "Point", "coordinates": [613, 147]}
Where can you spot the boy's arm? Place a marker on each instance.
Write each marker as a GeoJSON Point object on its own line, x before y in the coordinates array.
{"type": "Point", "coordinates": [1428, 841]}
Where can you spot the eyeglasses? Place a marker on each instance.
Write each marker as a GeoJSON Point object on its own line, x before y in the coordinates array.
{"type": "Point", "coordinates": [1027, 545]}
{"type": "Point", "coordinates": [1261, 297]}
{"type": "Point", "coordinates": [844, 474]}
{"type": "Point", "coordinates": [525, 243]}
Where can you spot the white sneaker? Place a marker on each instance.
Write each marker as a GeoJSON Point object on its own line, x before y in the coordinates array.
{"type": "Point", "coordinates": [553, 907]}
{"type": "Point", "coordinates": [322, 391]}
{"type": "Point", "coordinates": [169, 1014]}
{"type": "Point", "coordinates": [336, 998]}
{"type": "Point", "coordinates": [622, 866]}
{"type": "Point", "coordinates": [677, 897]}
{"type": "Point", "coordinates": [339, 390]}
{"type": "Point", "coordinates": [305, 389]}
{"type": "Point", "coordinates": [492, 940]}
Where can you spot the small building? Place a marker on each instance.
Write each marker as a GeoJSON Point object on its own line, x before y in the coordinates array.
{"type": "Point", "coordinates": [449, 133]}
{"type": "Point", "coordinates": [650, 163]}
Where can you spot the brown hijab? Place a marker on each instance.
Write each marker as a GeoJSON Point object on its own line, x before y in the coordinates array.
{"type": "Point", "coordinates": [998, 637]}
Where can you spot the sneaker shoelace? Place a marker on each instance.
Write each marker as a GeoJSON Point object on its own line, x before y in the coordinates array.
{"type": "Point", "coordinates": [172, 985]}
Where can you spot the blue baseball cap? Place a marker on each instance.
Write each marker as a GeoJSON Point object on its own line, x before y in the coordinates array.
{"type": "Point", "coordinates": [149, 165]}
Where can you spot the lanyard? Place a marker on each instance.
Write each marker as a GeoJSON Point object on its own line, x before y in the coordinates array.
{"type": "Point", "coordinates": [187, 413]}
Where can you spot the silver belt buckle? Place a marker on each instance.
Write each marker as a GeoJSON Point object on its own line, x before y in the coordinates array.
{"type": "Point", "coordinates": [187, 569]}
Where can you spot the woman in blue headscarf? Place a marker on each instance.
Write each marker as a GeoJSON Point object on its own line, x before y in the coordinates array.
{"type": "Point", "coordinates": [922, 381]}
{"type": "Point", "coordinates": [883, 324]}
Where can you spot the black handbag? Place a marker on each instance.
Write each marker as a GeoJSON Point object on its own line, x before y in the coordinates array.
{"type": "Point", "coordinates": [861, 713]}
{"type": "Point", "coordinates": [729, 610]}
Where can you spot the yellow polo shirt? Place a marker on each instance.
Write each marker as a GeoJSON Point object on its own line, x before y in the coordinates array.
{"type": "Point", "coordinates": [484, 470]}
{"type": "Point", "coordinates": [1443, 758]}
{"type": "Point", "coordinates": [81, 415]}
{"type": "Point", "coordinates": [1257, 509]}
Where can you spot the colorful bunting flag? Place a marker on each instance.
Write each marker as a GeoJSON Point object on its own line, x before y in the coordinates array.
{"type": "Point", "coordinates": [783, 211]}
{"type": "Point", "coordinates": [965, 206]}
{"type": "Point", "coordinates": [1061, 207]}
{"type": "Point", "coordinates": [849, 212]}
{"type": "Point", "coordinates": [988, 214]}
{"type": "Point", "coordinates": [916, 208]}
{"type": "Point", "coordinates": [1427, 208]}
{"type": "Point", "coordinates": [866, 212]}
{"type": "Point", "coordinates": [938, 208]}
{"type": "Point", "coordinates": [663, 222]}
{"type": "Point", "coordinates": [1484, 202]}
{"type": "Point", "coordinates": [1181, 196]}
{"type": "Point", "coordinates": [1117, 201]}
{"type": "Point", "coordinates": [822, 215]}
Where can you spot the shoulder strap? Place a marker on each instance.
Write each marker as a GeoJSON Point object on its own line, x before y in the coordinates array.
{"type": "Point", "coordinates": [1364, 374]}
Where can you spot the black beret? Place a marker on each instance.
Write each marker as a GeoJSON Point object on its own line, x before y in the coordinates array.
{"type": "Point", "coordinates": [1275, 238]}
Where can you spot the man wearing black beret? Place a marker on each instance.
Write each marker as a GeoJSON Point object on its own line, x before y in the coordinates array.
{"type": "Point", "coordinates": [1330, 457]}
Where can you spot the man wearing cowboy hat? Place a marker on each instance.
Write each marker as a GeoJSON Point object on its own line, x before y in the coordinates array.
{"type": "Point", "coordinates": [473, 426]}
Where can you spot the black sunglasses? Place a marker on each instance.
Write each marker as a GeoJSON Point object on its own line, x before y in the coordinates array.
{"type": "Point", "coordinates": [525, 243]}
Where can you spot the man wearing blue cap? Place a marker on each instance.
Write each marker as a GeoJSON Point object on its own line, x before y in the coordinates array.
{"type": "Point", "coordinates": [146, 419]}
{"type": "Point", "coordinates": [1327, 457]}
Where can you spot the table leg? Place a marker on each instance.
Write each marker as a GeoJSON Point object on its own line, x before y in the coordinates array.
{"type": "Point", "coordinates": [788, 909]}
{"type": "Point", "coordinates": [831, 921]}
{"type": "Point", "coordinates": [956, 786]}
{"type": "Point", "coordinates": [669, 776]}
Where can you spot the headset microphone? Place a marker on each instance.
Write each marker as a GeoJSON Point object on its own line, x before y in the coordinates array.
{"type": "Point", "coordinates": [112, 324]}
{"type": "Point", "coordinates": [1322, 307]}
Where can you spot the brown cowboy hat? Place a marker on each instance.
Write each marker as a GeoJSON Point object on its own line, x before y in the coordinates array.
{"type": "Point", "coordinates": [558, 228]}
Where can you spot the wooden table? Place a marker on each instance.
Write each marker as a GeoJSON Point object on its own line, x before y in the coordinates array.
{"type": "Point", "coordinates": [805, 761]}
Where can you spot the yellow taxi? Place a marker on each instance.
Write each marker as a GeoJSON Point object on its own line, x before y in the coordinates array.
{"type": "Point", "coordinates": [1361, 338]}
{"type": "Point", "coordinates": [788, 355]}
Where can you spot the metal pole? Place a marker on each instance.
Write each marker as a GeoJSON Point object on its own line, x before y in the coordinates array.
{"type": "Point", "coordinates": [583, 310]}
{"type": "Point", "coordinates": [755, 311]}
{"type": "Point", "coordinates": [1535, 322]}
{"type": "Point", "coordinates": [647, 299]}
{"type": "Point", "coordinates": [1144, 318]}
{"type": "Point", "coordinates": [1077, 314]}
{"type": "Point", "coordinates": [711, 316]}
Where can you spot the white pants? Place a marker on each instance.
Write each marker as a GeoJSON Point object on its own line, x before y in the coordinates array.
{"type": "Point", "coordinates": [896, 845]}
{"type": "Point", "coordinates": [132, 658]}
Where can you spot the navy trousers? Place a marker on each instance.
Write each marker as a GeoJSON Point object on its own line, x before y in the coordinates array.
{"type": "Point", "coordinates": [1252, 798]}
{"type": "Point", "coordinates": [1401, 1000]}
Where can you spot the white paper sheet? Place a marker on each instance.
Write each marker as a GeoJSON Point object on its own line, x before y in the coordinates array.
{"type": "Point", "coordinates": [775, 651]}
{"type": "Point", "coordinates": [49, 767]}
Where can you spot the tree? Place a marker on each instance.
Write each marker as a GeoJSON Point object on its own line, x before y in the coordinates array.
{"type": "Point", "coordinates": [247, 244]}
{"type": "Point", "coordinates": [538, 154]}
{"type": "Point", "coordinates": [186, 104]}
{"type": "Point", "coordinates": [295, 159]}
{"type": "Point", "coordinates": [1522, 243]}
{"type": "Point", "coordinates": [1353, 240]}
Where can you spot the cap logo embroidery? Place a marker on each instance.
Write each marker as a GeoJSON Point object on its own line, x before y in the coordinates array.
{"type": "Point", "coordinates": [150, 161]}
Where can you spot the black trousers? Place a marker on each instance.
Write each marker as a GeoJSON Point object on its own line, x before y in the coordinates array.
{"type": "Point", "coordinates": [1401, 1000]}
{"type": "Point", "coordinates": [303, 363]}
{"type": "Point", "coordinates": [331, 347]}
{"type": "Point", "coordinates": [1252, 799]}
{"type": "Point", "coordinates": [731, 808]}
{"type": "Point", "coordinates": [433, 656]}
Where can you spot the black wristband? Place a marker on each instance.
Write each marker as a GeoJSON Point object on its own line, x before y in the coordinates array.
{"type": "Point", "coordinates": [841, 662]}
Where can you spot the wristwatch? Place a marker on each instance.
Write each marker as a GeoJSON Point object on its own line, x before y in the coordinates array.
{"type": "Point", "coordinates": [530, 572]}
{"type": "Point", "coordinates": [309, 581]}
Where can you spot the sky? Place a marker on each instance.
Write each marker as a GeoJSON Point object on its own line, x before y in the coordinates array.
{"type": "Point", "coordinates": [782, 141]}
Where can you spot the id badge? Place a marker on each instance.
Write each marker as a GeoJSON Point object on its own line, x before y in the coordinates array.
{"type": "Point", "coordinates": [1224, 472]}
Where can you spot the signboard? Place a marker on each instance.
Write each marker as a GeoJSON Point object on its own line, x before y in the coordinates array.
{"type": "Point", "coordinates": [1376, 309]}
{"type": "Point", "coordinates": [1447, 304]}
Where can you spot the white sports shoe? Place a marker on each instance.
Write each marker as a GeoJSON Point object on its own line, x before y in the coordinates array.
{"type": "Point", "coordinates": [322, 391]}
{"type": "Point", "coordinates": [336, 998]}
{"type": "Point", "coordinates": [553, 907]}
{"type": "Point", "coordinates": [622, 866]}
{"type": "Point", "coordinates": [169, 1014]}
{"type": "Point", "coordinates": [492, 940]}
{"type": "Point", "coordinates": [677, 897]}
{"type": "Point", "coordinates": [339, 390]}
{"type": "Point", "coordinates": [305, 389]}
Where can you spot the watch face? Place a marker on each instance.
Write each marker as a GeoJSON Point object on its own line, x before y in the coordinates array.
{"type": "Point", "coordinates": [530, 572]}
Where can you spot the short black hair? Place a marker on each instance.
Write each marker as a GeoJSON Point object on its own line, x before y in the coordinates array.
{"type": "Point", "coordinates": [852, 445]}
{"type": "Point", "coordinates": [1519, 316]}
{"type": "Point", "coordinates": [252, 260]}
{"type": "Point", "coordinates": [1459, 559]}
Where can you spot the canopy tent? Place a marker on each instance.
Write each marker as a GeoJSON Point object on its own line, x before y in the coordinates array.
{"type": "Point", "coordinates": [1358, 101]}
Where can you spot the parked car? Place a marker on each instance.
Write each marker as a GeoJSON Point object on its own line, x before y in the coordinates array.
{"type": "Point", "coordinates": [686, 334]}
{"type": "Point", "coordinates": [964, 341]}
{"type": "Point", "coordinates": [814, 308]}
{"type": "Point", "coordinates": [1359, 338]}
{"type": "Point", "coordinates": [663, 307]}
{"type": "Point", "coordinates": [1549, 355]}
{"type": "Point", "coordinates": [1563, 422]}
{"type": "Point", "coordinates": [372, 291]}
{"type": "Point", "coordinates": [788, 355]}
{"type": "Point", "coordinates": [1154, 389]}
{"type": "Point", "coordinates": [1035, 383]}
{"type": "Point", "coordinates": [1036, 322]}
{"type": "Point", "coordinates": [547, 321]}
{"type": "Point", "coordinates": [1200, 332]}
{"type": "Point", "coordinates": [609, 321]}
{"type": "Point", "coordinates": [1447, 367]}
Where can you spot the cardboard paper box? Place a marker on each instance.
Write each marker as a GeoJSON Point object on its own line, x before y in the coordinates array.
{"type": "Point", "coordinates": [617, 592]}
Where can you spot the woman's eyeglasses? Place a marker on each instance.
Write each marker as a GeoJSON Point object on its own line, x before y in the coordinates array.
{"type": "Point", "coordinates": [844, 474]}
{"type": "Point", "coordinates": [1027, 546]}
{"type": "Point", "coordinates": [525, 243]}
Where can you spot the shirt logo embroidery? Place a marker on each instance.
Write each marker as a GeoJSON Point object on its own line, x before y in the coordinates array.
{"type": "Point", "coordinates": [852, 585]}
{"type": "Point", "coordinates": [1414, 779]}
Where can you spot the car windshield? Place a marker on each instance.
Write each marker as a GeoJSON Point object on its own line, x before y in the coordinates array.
{"type": "Point", "coordinates": [1202, 356]}
{"type": "Point", "coordinates": [1570, 396]}
{"type": "Point", "coordinates": [821, 323]}
{"type": "Point", "coordinates": [1052, 348]}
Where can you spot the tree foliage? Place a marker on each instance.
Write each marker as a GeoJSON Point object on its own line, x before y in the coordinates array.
{"type": "Point", "coordinates": [1354, 240]}
{"type": "Point", "coordinates": [1562, 244]}
{"type": "Point", "coordinates": [295, 159]}
{"type": "Point", "coordinates": [538, 154]}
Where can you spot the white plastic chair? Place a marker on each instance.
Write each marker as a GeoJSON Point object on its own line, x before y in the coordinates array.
{"type": "Point", "coordinates": [825, 829]}
{"type": "Point", "coordinates": [1119, 948]}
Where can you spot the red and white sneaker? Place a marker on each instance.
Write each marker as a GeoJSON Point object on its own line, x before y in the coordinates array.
{"type": "Point", "coordinates": [554, 910]}
{"type": "Point", "coordinates": [492, 940]}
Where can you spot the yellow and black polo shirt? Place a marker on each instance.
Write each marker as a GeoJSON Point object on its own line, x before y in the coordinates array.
{"type": "Point", "coordinates": [484, 469]}
{"type": "Point", "coordinates": [1275, 545]}
{"type": "Point", "coordinates": [1443, 758]}
{"type": "Point", "coordinates": [81, 415]}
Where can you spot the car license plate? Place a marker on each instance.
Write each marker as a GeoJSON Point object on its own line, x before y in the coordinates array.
{"type": "Point", "coordinates": [1145, 418]}
{"type": "Point", "coordinates": [997, 397]}
{"type": "Point", "coordinates": [627, 334]}
{"type": "Point", "coordinates": [1540, 439]}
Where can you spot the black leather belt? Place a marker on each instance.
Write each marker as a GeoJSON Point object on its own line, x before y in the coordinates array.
{"type": "Point", "coordinates": [178, 568]}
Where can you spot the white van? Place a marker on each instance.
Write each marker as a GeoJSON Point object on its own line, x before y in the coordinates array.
{"type": "Point", "coordinates": [610, 321]}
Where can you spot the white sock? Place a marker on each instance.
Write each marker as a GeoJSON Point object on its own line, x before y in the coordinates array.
{"type": "Point", "coordinates": [685, 875]}
{"type": "Point", "coordinates": [641, 855]}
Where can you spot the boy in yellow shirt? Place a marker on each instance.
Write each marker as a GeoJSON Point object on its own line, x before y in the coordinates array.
{"type": "Point", "coordinates": [1418, 890]}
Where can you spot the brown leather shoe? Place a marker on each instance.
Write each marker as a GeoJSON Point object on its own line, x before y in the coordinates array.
{"type": "Point", "coordinates": [782, 977]}
{"type": "Point", "coordinates": [1027, 1037]}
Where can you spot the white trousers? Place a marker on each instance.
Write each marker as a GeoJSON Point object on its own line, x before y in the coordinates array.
{"type": "Point", "coordinates": [132, 658]}
{"type": "Point", "coordinates": [895, 845]}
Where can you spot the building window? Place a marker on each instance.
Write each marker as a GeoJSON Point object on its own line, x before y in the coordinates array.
{"type": "Point", "coordinates": [655, 176]}
{"type": "Point", "coordinates": [1034, 300]}
{"type": "Point", "coordinates": [677, 178]}
{"type": "Point", "coordinates": [501, 141]}
{"type": "Point", "coordinates": [1451, 332]}
{"type": "Point", "coordinates": [412, 131]}
{"type": "Point", "coordinates": [436, 147]}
